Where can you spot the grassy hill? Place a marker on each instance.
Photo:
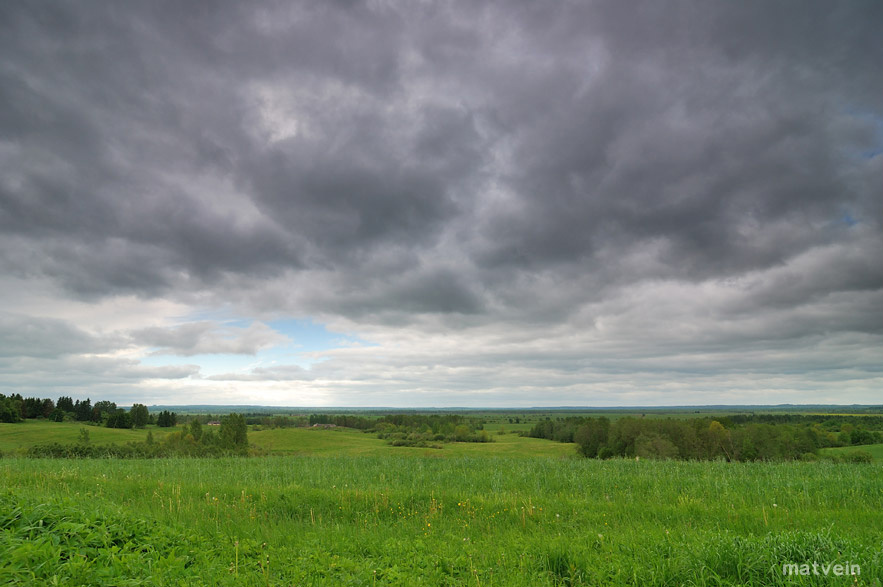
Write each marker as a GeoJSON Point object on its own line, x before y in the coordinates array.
{"type": "Point", "coordinates": [17, 438]}
{"type": "Point", "coordinates": [23, 435]}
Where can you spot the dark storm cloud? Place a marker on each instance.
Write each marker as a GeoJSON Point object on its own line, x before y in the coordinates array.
{"type": "Point", "coordinates": [528, 157]}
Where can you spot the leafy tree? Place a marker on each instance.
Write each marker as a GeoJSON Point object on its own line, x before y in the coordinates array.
{"type": "Point", "coordinates": [591, 436]}
{"type": "Point", "coordinates": [119, 419]}
{"type": "Point", "coordinates": [233, 433]}
{"type": "Point", "coordinates": [9, 411]}
{"type": "Point", "coordinates": [57, 415]}
{"type": "Point", "coordinates": [139, 415]}
{"type": "Point", "coordinates": [32, 407]}
{"type": "Point", "coordinates": [196, 429]}
{"type": "Point", "coordinates": [655, 446]}
{"type": "Point", "coordinates": [103, 409]}
{"type": "Point", "coordinates": [719, 441]}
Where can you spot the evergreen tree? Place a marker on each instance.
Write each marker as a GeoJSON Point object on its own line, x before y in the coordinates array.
{"type": "Point", "coordinates": [166, 419]}
{"type": "Point", "coordinates": [83, 410]}
{"type": "Point", "coordinates": [65, 404]}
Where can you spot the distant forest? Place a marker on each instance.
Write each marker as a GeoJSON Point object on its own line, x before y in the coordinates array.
{"type": "Point", "coordinates": [733, 437]}
{"type": "Point", "coordinates": [739, 437]}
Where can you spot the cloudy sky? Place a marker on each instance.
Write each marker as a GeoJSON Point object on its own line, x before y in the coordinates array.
{"type": "Point", "coordinates": [442, 203]}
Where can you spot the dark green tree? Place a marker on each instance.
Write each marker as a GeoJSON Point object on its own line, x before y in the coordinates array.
{"type": "Point", "coordinates": [83, 410]}
{"type": "Point", "coordinates": [103, 409]}
{"type": "Point", "coordinates": [166, 419]}
{"type": "Point", "coordinates": [32, 407]}
{"type": "Point", "coordinates": [591, 436]}
{"type": "Point", "coordinates": [119, 419]}
{"type": "Point", "coordinates": [48, 407]}
{"type": "Point", "coordinates": [195, 429]}
{"type": "Point", "coordinates": [140, 415]}
{"type": "Point", "coordinates": [65, 404]}
{"type": "Point", "coordinates": [234, 432]}
{"type": "Point", "coordinates": [9, 411]}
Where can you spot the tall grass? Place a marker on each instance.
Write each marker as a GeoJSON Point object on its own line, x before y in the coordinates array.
{"type": "Point", "coordinates": [454, 521]}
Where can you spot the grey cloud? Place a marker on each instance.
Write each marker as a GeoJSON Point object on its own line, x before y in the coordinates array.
{"type": "Point", "coordinates": [29, 336]}
{"type": "Point", "coordinates": [588, 101]}
{"type": "Point", "coordinates": [450, 167]}
{"type": "Point", "coordinates": [83, 376]}
{"type": "Point", "coordinates": [209, 338]}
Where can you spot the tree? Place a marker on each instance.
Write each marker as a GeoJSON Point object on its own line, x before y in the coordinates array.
{"type": "Point", "coordinates": [166, 419]}
{"type": "Point", "coordinates": [65, 404]}
{"type": "Point", "coordinates": [655, 446]}
{"type": "Point", "coordinates": [119, 419]}
{"type": "Point", "coordinates": [196, 429]}
{"type": "Point", "coordinates": [32, 407]}
{"type": "Point", "coordinates": [234, 432]}
{"type": "Point", "coordinates": [719, 441]}
{"type": "Point", "coordinates": [48, 407]}
{"type": "Point", "coordinates": [83, 410]}
{"type": "Point", "coordinates": [139, 415]}
{"type": "Point", "coordinates": [9, 412]}
{"type": "Point", "coordinates": [102, 409]}
{"type": "Point", "coordinates": [591, 436]}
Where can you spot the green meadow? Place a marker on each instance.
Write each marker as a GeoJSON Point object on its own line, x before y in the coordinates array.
{"type": "Point", "coordinates": [340, 507]}
{"type": "Point", "coordinates": [18, 437]}
{"type": "Point", "coordinates": [875, 450]}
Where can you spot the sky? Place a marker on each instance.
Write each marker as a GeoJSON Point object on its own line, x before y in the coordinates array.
{"type": "Point", "coordinates": [452, 203]}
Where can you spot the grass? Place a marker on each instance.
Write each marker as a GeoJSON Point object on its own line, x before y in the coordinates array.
{"type": "Point", "coordinates": [17, 438]}
{"type": "Point", "coordinates": [23, 435]}
{"type": "Point", "coordinates": [402, 518]}
{"type": "Point", "coordinates": [875, 450]}
{"type": "Point", "coordinates": [348, 442]}
{"type": "Point", "coordinates": [341, 507]}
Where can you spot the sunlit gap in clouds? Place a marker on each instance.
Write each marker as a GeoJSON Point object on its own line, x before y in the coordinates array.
{"type": "Point", "coordinates": [301, 344]}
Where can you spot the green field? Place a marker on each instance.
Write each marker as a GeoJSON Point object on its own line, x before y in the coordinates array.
{"type": "Point", "coordinates": [23, 435]}
{"type": "Point", "coordinates": [341, 507]}
{"type": "Point", "coordinates": [875, 450]}
{"type": "Point", "coordinates": [17, 438]}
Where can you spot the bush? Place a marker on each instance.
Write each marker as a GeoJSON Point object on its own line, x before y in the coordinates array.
{"type": "Point", "coordinates": [858, 456]}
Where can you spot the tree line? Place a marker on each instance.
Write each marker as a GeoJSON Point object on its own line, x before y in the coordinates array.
{"type": "Point", "coordinates": [15, 408]}
{"type": "Point", "coordinates": [192, 441]}
{"type": "Point", "coordinates": [741, 439]}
